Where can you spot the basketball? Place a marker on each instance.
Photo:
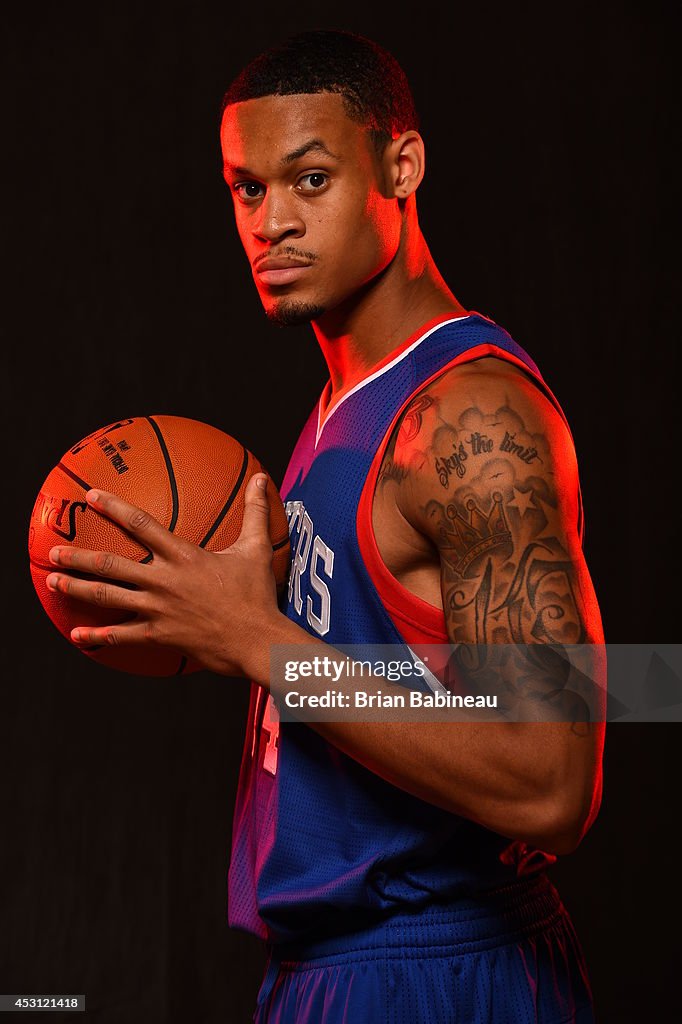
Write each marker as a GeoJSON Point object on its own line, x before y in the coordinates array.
{"type": "Point", "coordinates": [188, 475]}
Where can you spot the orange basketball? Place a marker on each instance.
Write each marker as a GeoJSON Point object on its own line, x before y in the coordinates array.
{"type": "Point", "coordinates": [188, 475]}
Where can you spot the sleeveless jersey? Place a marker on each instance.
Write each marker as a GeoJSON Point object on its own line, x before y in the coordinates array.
{"type": "Point", "coordinates": [316, 835]}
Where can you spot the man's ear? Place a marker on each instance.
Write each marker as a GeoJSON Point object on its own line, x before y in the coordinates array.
{"type": "Point", "coordinates": [404, 164]}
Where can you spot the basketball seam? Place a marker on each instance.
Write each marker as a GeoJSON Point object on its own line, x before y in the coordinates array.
{"type": "Point", "coordinates": [226, 507]}
{"type": "Point", "coordinates": [77, 479]}
{"type": "Point", "coordinates": [171, 472]}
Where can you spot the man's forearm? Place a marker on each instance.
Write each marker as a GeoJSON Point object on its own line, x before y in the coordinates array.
{"type": "Point", "coordinates": [516, 778]}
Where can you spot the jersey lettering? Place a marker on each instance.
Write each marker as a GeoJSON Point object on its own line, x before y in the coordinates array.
{"type": "Point", "coordinates": [312, 558]}
{"type": "Point", "coordinates": [300, 562]}
{"type": "Point", "coordinates": [271, 730]}
{"type": "Point", "coordinates": [320, 623]}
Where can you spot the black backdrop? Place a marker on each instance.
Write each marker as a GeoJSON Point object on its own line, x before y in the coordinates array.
{"type": "Point", "coordinates": [546, 206]}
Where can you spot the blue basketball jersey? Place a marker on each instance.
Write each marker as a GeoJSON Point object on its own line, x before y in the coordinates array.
{"type": "Point", "coordinates": [315, 832]}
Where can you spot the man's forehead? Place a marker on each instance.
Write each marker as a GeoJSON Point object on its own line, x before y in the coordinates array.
{"type": "Point", "coordinates": [286, 127]}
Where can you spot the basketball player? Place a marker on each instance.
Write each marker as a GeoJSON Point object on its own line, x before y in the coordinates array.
{"type": "Point", "coordinates": [397, 871]}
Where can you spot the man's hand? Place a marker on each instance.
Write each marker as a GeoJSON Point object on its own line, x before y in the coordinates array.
{"type": "Point", "coordinates": [215, 607]}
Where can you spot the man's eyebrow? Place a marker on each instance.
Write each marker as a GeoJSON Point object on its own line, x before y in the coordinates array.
{"type": "Point", "coordinates": [311, 146]}
{"type": "Point", "coordinates": [242, 172]}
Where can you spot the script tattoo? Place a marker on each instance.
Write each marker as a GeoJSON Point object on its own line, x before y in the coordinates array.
{"type": "Point", "coordinates": [455, 445]}
{"type": "Point", "coordinates": [452, 464]}
{"type": "Point", "coordinates": [508, 444]}
{"type": "Point", "coordinates": [480, 444]}
{"type": "Point", "coordinates": [392, 470]}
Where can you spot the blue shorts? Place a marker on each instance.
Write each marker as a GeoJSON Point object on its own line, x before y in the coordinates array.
{"type": "Point", "coordinates": [511, 957]}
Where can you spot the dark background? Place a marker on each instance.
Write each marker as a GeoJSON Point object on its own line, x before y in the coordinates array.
{"type": "Point", "coordinates": [546, 205]}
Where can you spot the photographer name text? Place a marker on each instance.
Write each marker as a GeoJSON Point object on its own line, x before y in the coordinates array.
{"type": "Point", "coordinates": [362, 699]}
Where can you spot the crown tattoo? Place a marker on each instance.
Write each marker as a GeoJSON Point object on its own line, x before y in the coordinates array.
{"type": "Point", "coordinates": [481, 533]}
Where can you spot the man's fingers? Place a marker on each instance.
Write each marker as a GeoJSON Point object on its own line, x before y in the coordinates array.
{"type": "Point", "coordinates": [113, 636]}
{"type": "Point", "coordinates": [100, 563]}
{"type": "Point", "coordinates": [135, 521]}
{"type": "Point", "coordinates": [256, 521]}
{"type": "Point", "coordinates": [105, 595]}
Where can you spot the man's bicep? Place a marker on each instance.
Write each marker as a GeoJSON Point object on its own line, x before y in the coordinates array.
{"type": "Point", "coordinates": [488, 473]}
{"type": "Point", "coordinates": [496, 490]}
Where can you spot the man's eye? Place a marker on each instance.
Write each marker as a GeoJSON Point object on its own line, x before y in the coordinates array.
{"type": "Point", "coordinates": [316, 182]}
{"type": "Point", "coordinates": [248, 190]}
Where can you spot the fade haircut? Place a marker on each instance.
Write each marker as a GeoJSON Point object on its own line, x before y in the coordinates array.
{"type": "Point", "coordinates": [372, 83]}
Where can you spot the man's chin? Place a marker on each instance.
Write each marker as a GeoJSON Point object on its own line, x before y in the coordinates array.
{"type": "Point", "coordinates": [290, 312]}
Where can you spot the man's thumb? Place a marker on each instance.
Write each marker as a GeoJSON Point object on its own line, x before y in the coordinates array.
{"type": "Point", "coordinates": [256, 522]}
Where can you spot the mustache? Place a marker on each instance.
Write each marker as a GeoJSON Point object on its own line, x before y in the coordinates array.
{"type": "Point", "coordinates": [300, 254]}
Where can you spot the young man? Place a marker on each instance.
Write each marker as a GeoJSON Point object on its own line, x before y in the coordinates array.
{"type": "Point", "coordinates": [397, 870]}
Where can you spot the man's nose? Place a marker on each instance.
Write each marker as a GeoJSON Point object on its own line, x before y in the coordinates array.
{"type": "Point", "coordinates": [279, 216]}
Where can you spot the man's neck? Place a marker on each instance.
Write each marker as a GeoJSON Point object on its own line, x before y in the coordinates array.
{"type": "Point", "coordinates": [359, 333]}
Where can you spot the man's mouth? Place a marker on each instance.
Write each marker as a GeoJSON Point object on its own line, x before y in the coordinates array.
{"type": "Point", "coordinates": [279, 270]}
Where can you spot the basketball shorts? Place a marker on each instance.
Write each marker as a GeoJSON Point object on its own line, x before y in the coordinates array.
{"type": "Point", "coordinates": [511, 957]}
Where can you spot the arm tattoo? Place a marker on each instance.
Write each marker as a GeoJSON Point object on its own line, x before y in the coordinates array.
{"type": "Point", "coordinates": [412, 420]}
{"type": "Point", "coordinates": [456, 447]}
{"type": "Point", "coordinates": [407, 433]}
{"type": "Point", "coordinates": [507, 578]}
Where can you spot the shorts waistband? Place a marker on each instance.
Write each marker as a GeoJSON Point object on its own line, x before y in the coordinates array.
{"type": "Point", "coordinates": [490, 919]}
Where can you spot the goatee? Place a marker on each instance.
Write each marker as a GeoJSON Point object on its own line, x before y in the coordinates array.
{"type": "Point", "coordinates": [290, 313]}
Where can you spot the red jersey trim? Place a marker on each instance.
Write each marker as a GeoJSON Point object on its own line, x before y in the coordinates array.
{"type": "Point", "coordinates": [324, 411]}
{"type": "Point", "coordinates": [416, 620]}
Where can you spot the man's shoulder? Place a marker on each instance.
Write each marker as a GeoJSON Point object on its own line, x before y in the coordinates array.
{"type": "Point", "coordinates": [481, 421]}
{"type": "Point", "coordinates": [482, 373]}
{"type": "Point", "coordinates": [485, 387]}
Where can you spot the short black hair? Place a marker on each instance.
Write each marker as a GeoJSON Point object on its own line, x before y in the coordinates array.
{"type": "Point", "coordinates": [372, 83]}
